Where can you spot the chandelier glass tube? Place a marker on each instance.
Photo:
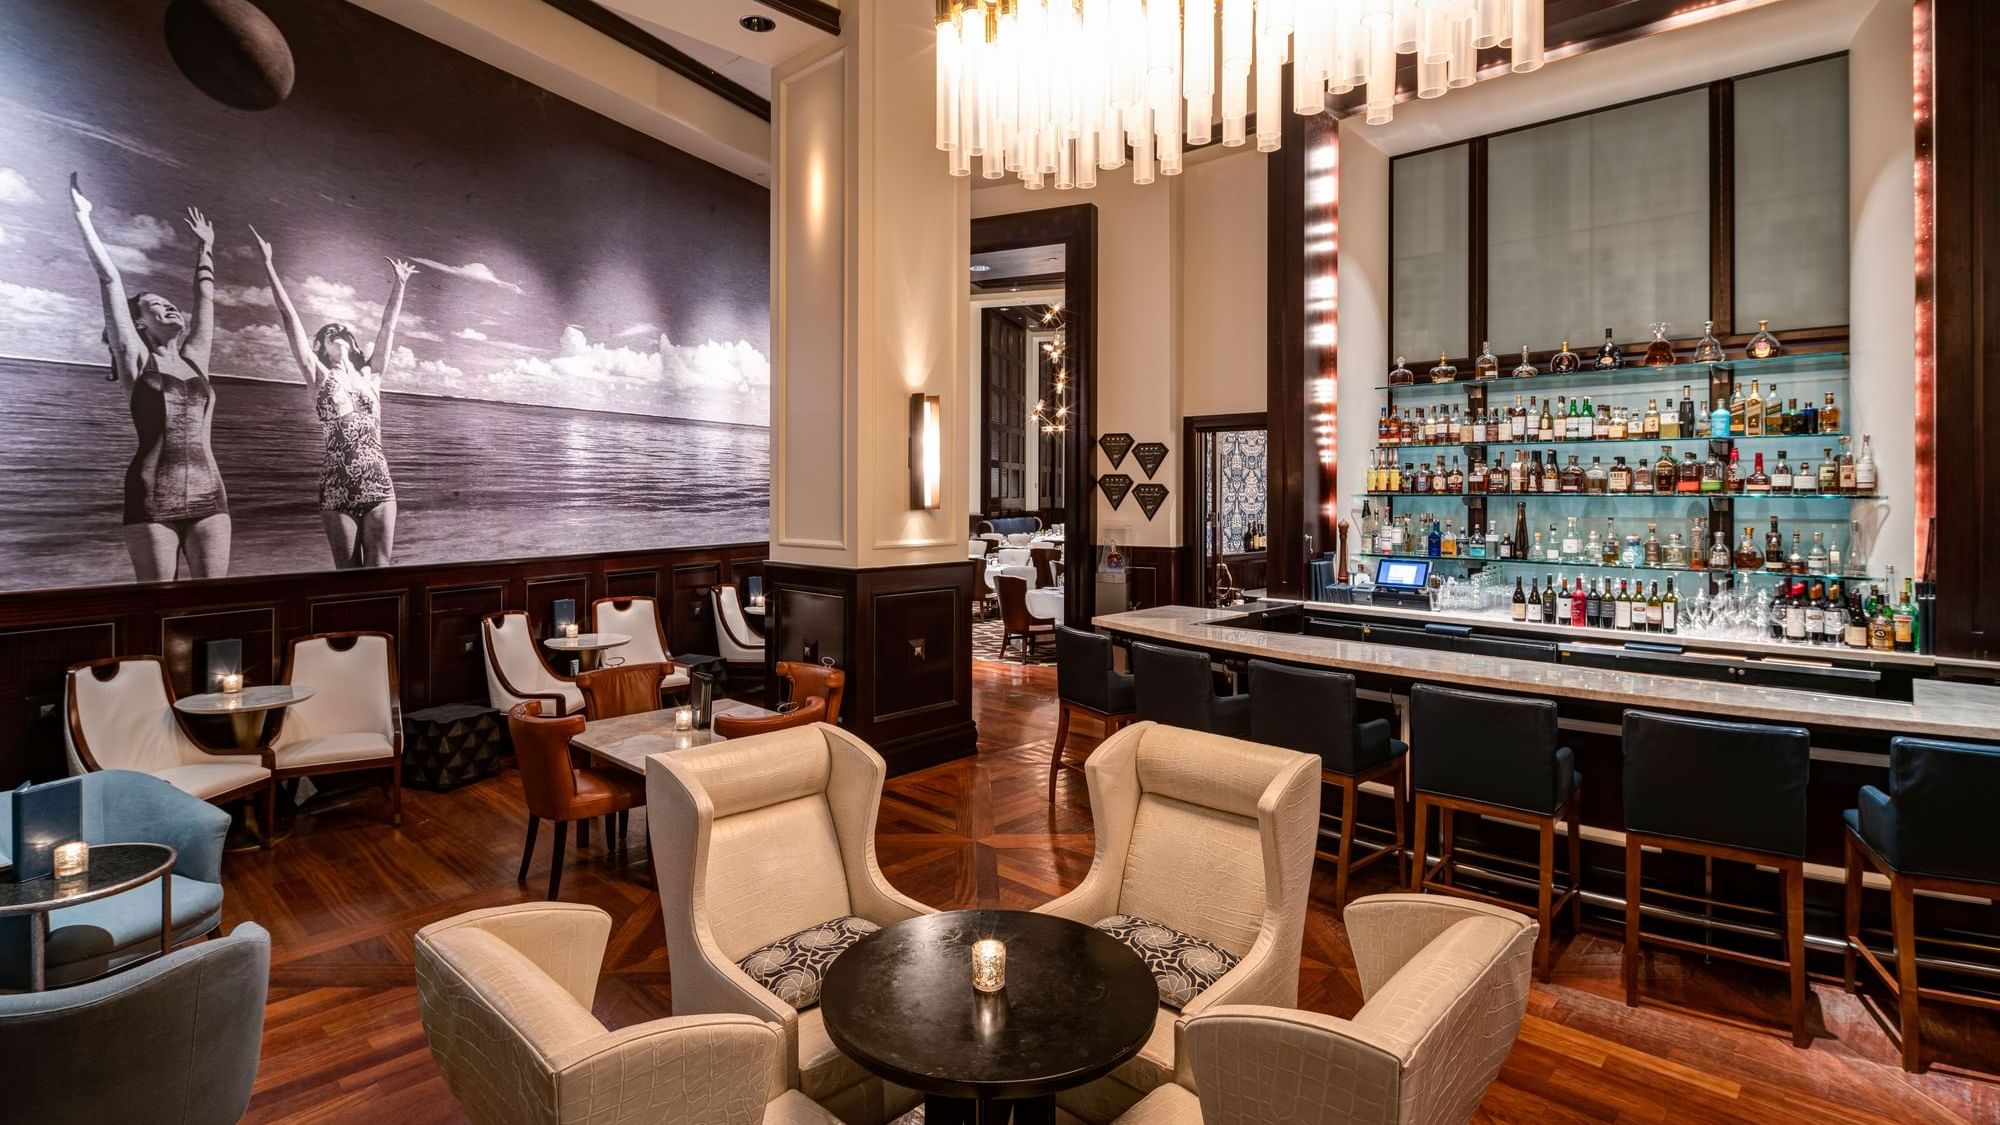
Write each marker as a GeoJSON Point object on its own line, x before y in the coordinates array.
{"type": "Point", "coordinates": [1058, 90]}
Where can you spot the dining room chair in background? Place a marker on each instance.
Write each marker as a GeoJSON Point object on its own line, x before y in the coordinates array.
{"type": "Point", "coordinates": [622, 689]}
{"type": "Point", "coordinates": [815, 681]}
{"type": "Point", "coordinates": [736, 642]}
{"type": "Point", "coordinates": [354, 719]}
{"type": "Point", "coordinates": [121, 717]}
{"type": "Point", "coordinates": [558, 789]}
{"type": "Point", "coordinates": [1016, 622]}
{"type": "Point", "coordinates": [639, 618]}
{"type": "Point", "coordinates": [516, 670]}
{"type": "Point", "coordinates": [766, 874]}
{"type": "Point", "coordinates": [742, 726]}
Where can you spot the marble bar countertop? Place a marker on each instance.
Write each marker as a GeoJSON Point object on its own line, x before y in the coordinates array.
{"type": "Point", "coordinates": [1940, 709]}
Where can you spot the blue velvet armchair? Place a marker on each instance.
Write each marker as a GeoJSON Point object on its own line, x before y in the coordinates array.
{"type": "Point", "coordinates": [176, 1039]}
{"type": "Point", "coordinates": [95, 938]}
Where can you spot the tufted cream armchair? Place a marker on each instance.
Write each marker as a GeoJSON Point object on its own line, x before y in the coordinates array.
{"type": "Point", "coordinates": [1213, 837]}
{"type": "Point", "coordinates": [505, 998]}
{"type": "Point", "coordinates": [1446, 983]}
{"type": "Point", "coordinates": [757, 838]}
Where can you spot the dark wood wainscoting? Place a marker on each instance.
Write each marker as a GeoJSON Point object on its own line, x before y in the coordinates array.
{"type": "Point", "coordinates": [904, 637]}
{"type": "Point", "coordinates": [433, 611]}
{"type": "Point", "coordinates": [1157, 576]}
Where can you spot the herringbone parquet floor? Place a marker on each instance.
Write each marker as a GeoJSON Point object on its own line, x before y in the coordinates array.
{"type": "Point", "coordinates": [344, 894]}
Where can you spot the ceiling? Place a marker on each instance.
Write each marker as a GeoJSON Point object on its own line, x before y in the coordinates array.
{"type": "Point", "coordinates": [708, 30]}
{"type": "Point", "coordinates": [1018, 267]}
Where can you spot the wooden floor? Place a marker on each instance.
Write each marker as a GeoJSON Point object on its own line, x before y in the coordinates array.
{"type": "Point", "coordinates": [344, 894]}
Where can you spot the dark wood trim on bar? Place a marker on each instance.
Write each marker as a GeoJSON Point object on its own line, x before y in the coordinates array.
{"type": "Point", "coordinates": [812, 13]}
{"type": "Point", "coordinates": [1287, 378]}
{"type": "Point", "coordinates": [1722, 206]}
{"type": "Point", "coordinates": [1074, 226]}
{"type": "Point", "coordinates": [608, 23]}
{"type": "Point", "coordinates": [1475, 245]}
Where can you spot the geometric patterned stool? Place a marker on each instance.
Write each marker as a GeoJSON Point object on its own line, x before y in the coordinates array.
{"type": "Point", "coordinates": [453, 744]}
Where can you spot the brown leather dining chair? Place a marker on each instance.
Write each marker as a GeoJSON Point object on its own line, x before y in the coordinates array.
{"type": "Point", "coordinates": [805, 715]}
{"type": "Point", "coordinates": [815, 681]}
{"type": "Point", "coordinates": [1015, 619]}
{"type": "Point", "coordinates": [623, 689]}
{"type": "Point", "coordinates": [558, 789]}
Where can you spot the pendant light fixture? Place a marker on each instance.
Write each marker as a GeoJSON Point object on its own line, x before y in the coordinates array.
{"type": "Point", "coordinates": [1058, 90]}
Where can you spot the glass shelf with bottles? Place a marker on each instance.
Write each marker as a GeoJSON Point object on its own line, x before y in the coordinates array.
{"type": "Point", "coordinates": [1830, 435]}
{"type": "Point", "coordinates": [1691, 475]}
{"type": "Point", "coordinates": [1578, 543]}
{"type": "Point", "coordinates": [1749, 415]}
{"type": "Point", "coordinates": [1609, 366]}
{"type": "Point", "coordinates": [1748, 572]}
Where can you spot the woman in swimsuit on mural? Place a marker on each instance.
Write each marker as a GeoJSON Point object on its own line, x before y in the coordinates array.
{"type": "Point", "coordinates": [175, 505]}
{"type": "Point", "coordinates": [357, 499]}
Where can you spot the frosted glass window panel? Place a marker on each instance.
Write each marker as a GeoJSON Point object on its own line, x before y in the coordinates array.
{"type": "Point", "coordinates": [1429, 239]}
{"type": "Point", "coordinates": [1599, 222]}
{"type": "Point", "coordinates": [1791, 197]}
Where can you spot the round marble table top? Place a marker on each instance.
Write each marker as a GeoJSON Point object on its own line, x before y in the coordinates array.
{"type": "Point", "coordinates": [587, 642]}
{"type": "Point", "coordinates": [263, 697]}
{"type": "Point", "coordinates": [114, 869]}
{"type": "Point", "coordinates": [1077, 1003]}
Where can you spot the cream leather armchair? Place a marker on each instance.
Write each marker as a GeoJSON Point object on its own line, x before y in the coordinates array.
{"type": "Point", "coordinates": [1210, 836]}
{"type": "Point", "coordinates": [505, 999]}
{"type": "Point", "coordinates": [516, 671]}
{"type": "Point", "coordinates": [1446, 983]}
{"type": "Point", "coordinates": [758, 838]}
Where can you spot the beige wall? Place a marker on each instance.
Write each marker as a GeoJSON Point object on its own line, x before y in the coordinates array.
{"type": "Point", "coordinates": [1181, 249]}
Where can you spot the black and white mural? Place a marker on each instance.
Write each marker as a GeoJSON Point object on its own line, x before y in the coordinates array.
{"type": "Point", "coordinates": [285, 286]}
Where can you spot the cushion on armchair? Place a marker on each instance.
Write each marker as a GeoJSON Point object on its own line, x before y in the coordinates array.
{"type": "Point", "coordinates": [793, 967]}
{"type": "Point", "coordinates": [1184, 966]}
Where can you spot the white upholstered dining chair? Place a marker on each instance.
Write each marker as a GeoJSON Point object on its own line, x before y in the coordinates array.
{"type": "Point", "coordinates": [1446, 985]}
{"type": "Point", "coordinates": [505, 996]}
{"type": "Point", "coordinates": [639, 618]}
{"type": "Point", "coordinates": [737, 642]}
{"type": "Point", "coordinates": [1204, 853]}
{"type": "Point", "coordinates": [764, 848]}
{"type": "Point", "coordinates": [353, 721]}
{"type": "Point", "coordinates": [121, 716]}
{"type": "Point", "coordinates": [516, 671]}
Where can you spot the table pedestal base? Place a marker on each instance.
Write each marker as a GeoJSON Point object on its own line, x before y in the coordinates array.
{"type": "Point", "coordinates": [940, 1110]}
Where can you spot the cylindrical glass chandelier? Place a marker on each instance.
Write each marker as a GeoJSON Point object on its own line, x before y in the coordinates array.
{"type": "Point", "coordinates": [1057, 90]}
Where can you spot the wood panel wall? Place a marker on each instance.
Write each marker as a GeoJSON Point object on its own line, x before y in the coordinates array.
{"type": "Point", "coordinates": [433, 611]}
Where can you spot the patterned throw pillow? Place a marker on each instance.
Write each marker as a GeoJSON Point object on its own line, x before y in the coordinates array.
{"type": "Point", "coordinates": [793, 967]}
{"type": "Point", "coordinates": [1184, 966]}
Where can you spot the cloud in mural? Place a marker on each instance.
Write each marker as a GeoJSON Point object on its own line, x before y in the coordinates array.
{"type": "Point", "coordinates": [16, 190]}
{"type": "Point", "coordinates": [26, 304]}
{"type": "Point", "coordinates": [5, 238]}
{"type": "Point", "coordinates": [470, 334]}
{"type": "Point", "coordinates": [471, 271]}
{"type": "Point", "coordinates": [646, 329]}
{"type": "Point", "coordinates": [90, 131]}
{"type": "Point", "coordinates": [238, 296]}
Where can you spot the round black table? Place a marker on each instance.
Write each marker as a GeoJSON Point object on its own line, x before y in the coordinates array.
{"type": "Point", "coordinates": [114, 869]}
{"type": "Point", "coordinates": [1077, 1003]}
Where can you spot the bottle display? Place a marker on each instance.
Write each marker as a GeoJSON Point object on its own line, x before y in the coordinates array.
{"type": "Point", "coordinates": [1763, 345]}
{"type": "Point", "coordinates": [1708, 349]}
{"type": "Point", "coordinates": [1660, 352]}
{"type": "Point", "coordinates": [1486, 365]}
{"type": "Point", "coordinates": [1524, 369]}
{"type": "Point", "coordinates": [1565, 362]}
{"type": "Point", "coordinates": [1402, 376]}
{"type": "Point", "coordinates": [1608, 358]}
{"type": "Point", "coordinates": [1444, 372]}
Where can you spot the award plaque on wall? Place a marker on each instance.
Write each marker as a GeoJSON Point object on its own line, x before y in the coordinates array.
{"type": "Point", "coordinates": [1115, 446]}
{"type": "Point", "coordinates": [1150, 497]}
{"type": "Point", "coordinates": [1115, 486]}
{"type": "Point", "coordinates": [1150, 454]}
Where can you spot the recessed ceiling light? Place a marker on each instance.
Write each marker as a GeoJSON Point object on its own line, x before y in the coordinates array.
{"type": "Point", "coordinates": [978, 267]}
{"type": "Point", "coordinates": [759, 24]}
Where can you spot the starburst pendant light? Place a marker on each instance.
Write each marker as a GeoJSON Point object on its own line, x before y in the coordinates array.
{"type": "Point", "coordinates": [1055, 90]}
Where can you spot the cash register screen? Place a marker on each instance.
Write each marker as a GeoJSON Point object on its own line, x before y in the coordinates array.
{"type": "Point", "coordinates": [1408, 574]}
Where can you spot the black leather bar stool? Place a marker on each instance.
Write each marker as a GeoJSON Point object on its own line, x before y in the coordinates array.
{"type": "Point", "coordinates": [1731, 791]}
{"type": "Point", "coordinates": [1176, 686]}
{"type": "Point", "coordinates": [1086, 682]}
{"type": "Point", "coordinates": [1312, 711]}
{"type": "Point", "coordinates": [1932, 831]}
{"type": "Point", "coordinates": [1496, 756]}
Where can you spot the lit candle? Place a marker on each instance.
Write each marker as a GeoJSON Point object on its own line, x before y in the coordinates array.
{"type": "Point", "coordinates": [684, 719]}
{"type": "Point", "coordinates": [232, 682]}
{"type": "Point", "coordinates": [989, 965]}
{"type": "Point", "coordinates": [72, 859]}
{"type": "Point", "coordinates": [569, 630]}
{"type": "Point", "coordinates": [758, 601]}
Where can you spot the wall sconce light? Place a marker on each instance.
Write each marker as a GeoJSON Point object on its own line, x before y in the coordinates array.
{"type": "Point", "coordinates": [926, 452]}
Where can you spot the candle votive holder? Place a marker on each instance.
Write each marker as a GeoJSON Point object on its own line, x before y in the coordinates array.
{"type": "Point", "coordinates": [71, 859]}
{"type": "Point", "coordinates": [232, 682]}
{"type": "Point", "coordinates": [684, 719]}
{"type": "Point", "coordinates": [989, 965]}
{"type": "Point", "coordinates": [570, 630]}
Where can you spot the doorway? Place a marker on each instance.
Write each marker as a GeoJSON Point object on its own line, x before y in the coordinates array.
{"type": "Point", "coordinates": [1226, 519]}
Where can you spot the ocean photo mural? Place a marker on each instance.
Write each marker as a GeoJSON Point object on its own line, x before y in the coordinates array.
{"type": "Point", "coordinates": [419, 311]}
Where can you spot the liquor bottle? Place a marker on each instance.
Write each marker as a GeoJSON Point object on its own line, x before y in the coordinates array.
{"type": "Point", "coordinates": [1546, 428]}
{"type": "Point", "coordinates": [1781, 477]}
{"type": "Point", "coordinates": [1753, 412]}
{"type": "Point", "coordinates": [1619, 477]}
{"type": "Point", "coordinates": [1531, 477]}
{"type": "Point", "coordinates": [1712, 473]}
{"type": "Point", "coordinates": [1848, 472]}
{"type": "Point", "coordinates": [1670, 422]}
{"type": "Point", "coordinates": [1554, 551]}
{"type": "Point", "coordinates": [1402, 376]}
{"type": "Point", "coordinates": [1595, 479]}
{"type": "Point", "coordinates": [1517, 420]}
{"type": "Point", "coordinates": [1697, 545]}
{"type": "Point", "coordinates": [1817, 558]}
{"type": "Point", "coordinates": [1579, 605]}
{"type": "Point", "coordinates": [1688, 476]}
{"type": "Point", "coordinates": [1833, 622]}
{"type": "Point", "coordinates": [1675, 557]}
{"type": "Point", "coordinates": [1454, 481]}
{"type": "Point", "coordinates": [1549, 603]}
{"type": "Point", "coordinates": [1738, 411]}
{"type": "Point", "coordinates": [1551, 475]}
{"type": "Point", "coordinates": [1748, 557]}
{"type": "Point", "coordinates": [1854, 631]}
{"type": "Point", "coordinates": [1520, 609]}
{"type": "Point", "coordinates": [1649, 425]}
{"type": "Point", "coordinates": [1534, 606]}
{"type": "Point", "coordinates": [1670, 610]}
{"type": "Point", "coordinates": [1496, 477]}
{"type": "Point", "coordinates": [1621, 424]}
{"type": "Point", "coordinates": [1733, 480]}
{"type": "Point", "coordinates": [1795, 563]}
{"type": "Point", "coordinates": [1815, 614]}
{"type": "Point", "coordinates": [1572, 547]}
{"type": "Point", "coordinates": [1444, 372]}
{"type": "Point", "coordinates": [1828, 478]}
{"type": "Point", "coordinates": [1572, 476]}
{"type": "Point", "coordinates": [1774, 549]}
{"type": "Point", "coordinates": [1659, 353]}
{"type": "Point", "coordinates": [1601, 604]}
{"type": "Point", "coordinates": [1833, 559]}
{"type": "Point", "coordinates": [1587, 422]}
{"type": "Point", "coordinates": [1903, 619]}
{"type": "Point", "coordinates": [1795, 612]}
{"type": "Point", "coordinates": [1763, 345]}
{"type": "Point", "coordinates": [1621, 613]}
{"type": "Point", "coordinates": [1780, 603]}
{"type": "Point", "coordinates": [1805, 478]}
{"type": "Point", "coordinates": [1808, 417]}
{"type": "Point", "coordinates": [1718, 421]}
{"type": "Point", "coordinates": [1708, 349]}
{"type": "Point", "coordinates": [1642, 475]}
{"type": "Point", "coordinates": [1434, 542]}
{"type": "Point", "coordinates": [1864, 468]}
{"type": "Point", "coordinates": [1652, 555]}
{"type": "Point", "coordinates": [1607, 354]}
{"type": "Point", "coordinates": [1718, 554]}
{"type": "Point", "coordinates": [1665, 473]}
{"type": "Point", "coordinates": [1631, 554]}
{"type": "Point", "coordinates": [1476, 478]}
{"type": "Point", "coordinates": [1655, 609]}
{"type": "Point", "coordinates": [1829, 416]}
{"type": "Point", "coordinates": [1524, 369]}
{"type": "Point", "coordinates": [1449, 546]}
{"type": "Point", "coordinates": [1688, 415]}
{"type": "Point", "coordinates": [1759, 479]}
{"type": "Point", "coordinates": [1881, 630]}
{"type": "Point", "coordinates": [1486, 365]}
{"type": "Point", "coordinates": [1564, 362]}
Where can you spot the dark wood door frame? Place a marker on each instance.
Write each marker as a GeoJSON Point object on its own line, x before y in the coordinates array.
{"type": "Point", "coordinates": [1193, 534]}
{"type": "Point", "coordinates": [1075, 227]}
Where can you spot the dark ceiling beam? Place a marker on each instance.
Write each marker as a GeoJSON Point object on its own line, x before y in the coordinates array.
{"type": "Point", "coordinates": [812, 13]}
{"type": "Point", "coordinates": [608, 23]}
